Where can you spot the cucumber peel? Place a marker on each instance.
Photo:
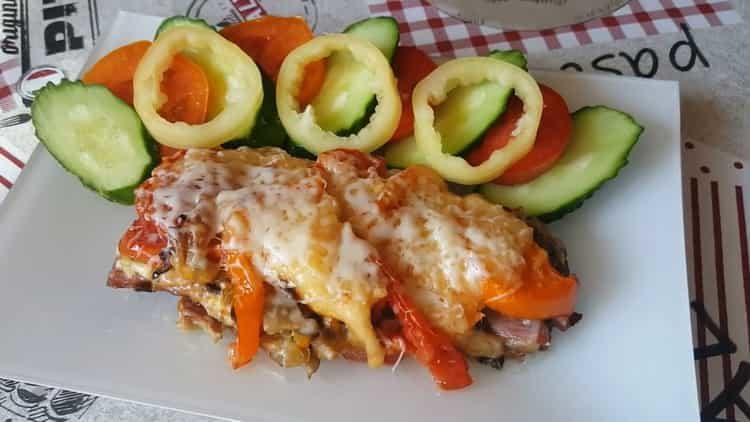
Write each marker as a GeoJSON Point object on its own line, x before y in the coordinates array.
{"type": "Point", "coordinates": [515, 57]}
{"type": "Point", "coordinates": [601, 141]}
{"type": "Point", "coordinates": [96, 137]}
{"type": "Point", "coordinates": [176, 21]}
{"type": "Point", "coordinates": [381, 30]}
{"type": "Point", "coordinates": [462, 119]}
{"type": "Point", "coordinates": [346, 101]}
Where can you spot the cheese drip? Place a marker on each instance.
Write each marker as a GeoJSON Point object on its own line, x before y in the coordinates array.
{"type": "Point", "coordinates": [280, 214]}
{"type": "Point", "coordinates": [443, 247]}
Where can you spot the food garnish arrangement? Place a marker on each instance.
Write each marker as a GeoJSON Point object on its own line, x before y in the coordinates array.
{"type": "Point", "coordinates": [338, 196]}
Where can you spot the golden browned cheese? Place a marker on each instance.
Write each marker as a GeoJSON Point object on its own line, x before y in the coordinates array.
{"type": "Point", "coordinates": [279, 213]}
{"type": "Point", "coordinates": [443, 247]}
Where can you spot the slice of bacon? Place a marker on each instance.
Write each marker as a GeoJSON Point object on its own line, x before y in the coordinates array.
{"type": "Point", "coordinates": [520, 336]}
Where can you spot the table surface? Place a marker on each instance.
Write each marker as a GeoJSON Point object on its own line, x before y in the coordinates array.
{"type": "Point", "coordinates": [715, 110]}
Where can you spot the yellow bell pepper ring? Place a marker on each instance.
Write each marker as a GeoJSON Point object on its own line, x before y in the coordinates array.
{"type": "Point", "coordinates": [467, 71]}
{"type": "Point", "coordinates": [234, 79]}
{"type": "Point", "coordinates": [302, 126]}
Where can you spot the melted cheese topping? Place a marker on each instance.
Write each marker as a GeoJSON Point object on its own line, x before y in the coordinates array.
{"type": "Point", "coordinates": [282, 314]}
{"type": "Point", "coordinates": [185, 192]}
{"type": "Point", "coordinates": [443, 247]}
{"type": "Point", "coordinates": [278, 212]}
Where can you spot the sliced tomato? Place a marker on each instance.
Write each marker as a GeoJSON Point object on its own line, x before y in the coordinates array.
{"type": "Point", "coordinates": [544, 294]}
{"type": "Point", "coordinates": [187, 89]}
{"type": "Point", "coordinates": [116, 69]}
{"type": "Point", "coordinates": [247, 302]}
{"type": "Point", "coordinates": [142, 241]}
{"type": "Point", "coordinates": [269, 39]}
{"type": "Point", "coordinates": [430, 346]}
{"type": "Point", "coordinates": [184, 83]}
{"type": "Point", "coordinates": [552, 138]}
{"type": "Point", "coordinates": [410, 65]}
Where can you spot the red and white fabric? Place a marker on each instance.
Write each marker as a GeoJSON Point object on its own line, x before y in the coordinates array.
{"type": "Point", "coordinates": [248, 8]}
{"type": "Point", "coordinates": [436, 32]}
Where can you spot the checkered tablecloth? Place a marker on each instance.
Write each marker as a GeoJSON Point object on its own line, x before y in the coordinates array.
{"type": "Point", "coordinates": [438, 33]}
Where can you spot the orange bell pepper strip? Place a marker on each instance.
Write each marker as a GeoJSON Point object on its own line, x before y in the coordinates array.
{"type": "Point", "coordinates": [269, 39]}
{"type": "Point", "coordinates": [185, 83]}
{"type": "Point", "coordinates": [247, 302]}
{"type": "Point", "coordinates": [430, 346]}
{"type": "Point", "coordinates": [544, 293]}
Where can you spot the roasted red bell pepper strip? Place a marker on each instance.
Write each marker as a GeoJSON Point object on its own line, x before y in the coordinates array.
{"type": "Point", "coordinates": [431, 347]}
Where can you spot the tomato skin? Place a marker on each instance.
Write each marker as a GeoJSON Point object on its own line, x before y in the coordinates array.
{"type": "Point", "coordinates": [142, 241]}
{"type": "Point", "coordinates": [552, 138]}
{"type": "Point", "coordinates": [116, 69]}
{"type": "Point", "coordinates": [184, 82]}
{"type": "Point", "coordinates": [269, 39]}
{"type": "Point", "coordinates": [410, 65]}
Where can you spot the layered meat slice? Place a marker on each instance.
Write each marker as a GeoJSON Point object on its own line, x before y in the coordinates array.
{"type": "Point", "coordinates": [283, 220]}
{"type": "Point", "coordinates": [317, 260]}
{"type": "Point", "coordinates": [455, 255]}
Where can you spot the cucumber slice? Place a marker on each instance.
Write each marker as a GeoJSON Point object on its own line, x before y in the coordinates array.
{"type": "Point", "coordinates": [96, 136]}
{"type": "Point", "coordinates": [345, 96]}
{"type": "Point", "coordinates": [599, 146]}
{"type": "Point", "coordinates": [515, 57]}
{"type": "Point", "coordinates": [176, 21]}
{"type": "Point", "coordinates": [462, 119]}
{"type": "Point", "coordinates": [268, 130]}
{"type": "Point", "coordinates": [467, 113]}
{"type": "Point", "coordinates": [345, 101]}
{"type": "Point", "coordinates": [403, 153]}
{"type": "Point", "coordinates": [382, 31]}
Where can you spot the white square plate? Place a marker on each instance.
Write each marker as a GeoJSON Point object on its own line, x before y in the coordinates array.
{"type": "Point", "coordinates": [629, 359]}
